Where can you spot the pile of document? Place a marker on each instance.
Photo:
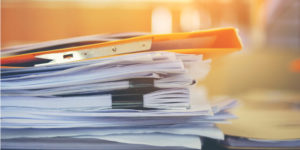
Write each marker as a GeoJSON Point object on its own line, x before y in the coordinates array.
{"type": "Point", "coordinates": [143, 100]}
{"type": "Point", "coordinates": [138, 99]}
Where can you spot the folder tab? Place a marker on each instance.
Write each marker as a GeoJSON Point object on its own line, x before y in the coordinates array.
{"type": "Point", "coordinates": [63, 57]}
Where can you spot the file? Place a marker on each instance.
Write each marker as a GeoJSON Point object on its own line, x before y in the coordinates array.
{"type": "Point", "coordinates": [201, 42]}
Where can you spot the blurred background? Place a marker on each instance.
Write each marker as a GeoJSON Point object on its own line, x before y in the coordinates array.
{"type": "Point", "coordinates": [269, 29]}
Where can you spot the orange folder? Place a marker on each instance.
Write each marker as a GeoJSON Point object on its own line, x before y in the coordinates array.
{"type": "Point", "coordinates": [208, 42]}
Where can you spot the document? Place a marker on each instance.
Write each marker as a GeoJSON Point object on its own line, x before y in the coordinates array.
{"type": "Point", "coordinates": [203, 130]}
{"type": "Point", "coordinates": [119, 92]}
{"type": "Point", "coordinates": [161, 99]}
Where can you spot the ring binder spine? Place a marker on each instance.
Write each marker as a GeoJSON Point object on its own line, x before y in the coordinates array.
{"type": "Point", "coordinates": [133, 97]}
{"type": "Point", "coordinates": [126, 101]}
{"type": "Point", "coordinates": [142, 82]}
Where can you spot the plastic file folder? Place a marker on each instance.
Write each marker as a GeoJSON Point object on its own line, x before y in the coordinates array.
{"type": "Point", "coordinates": [201, 42]}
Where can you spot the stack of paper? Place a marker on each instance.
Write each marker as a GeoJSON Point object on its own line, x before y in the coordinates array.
{"type": "Point", "coordinates": [135, 99]}
{"type": "Point", "coordinates": [93, 96]}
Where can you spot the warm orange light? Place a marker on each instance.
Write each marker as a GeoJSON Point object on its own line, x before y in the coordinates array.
{"type": "Point", "coordinates": [295, 66]}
